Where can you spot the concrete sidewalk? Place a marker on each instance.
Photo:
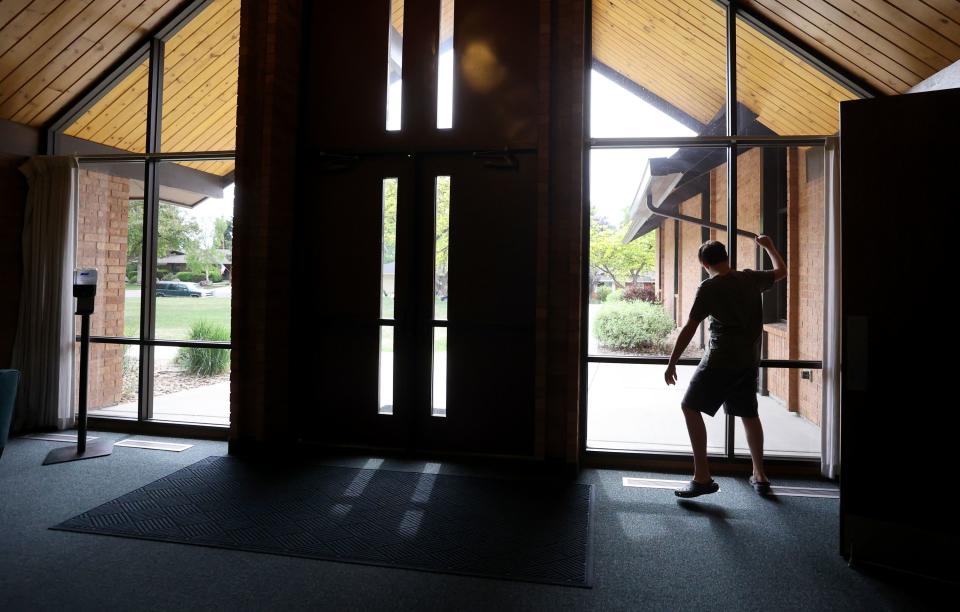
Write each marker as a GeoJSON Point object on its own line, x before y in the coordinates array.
{"type": "Point", "coordinates": [631, 408]}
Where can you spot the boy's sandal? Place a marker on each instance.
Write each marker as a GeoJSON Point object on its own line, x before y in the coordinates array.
{"type": "Point", "coordinates": [760, 486]}
{"type": "Point", "coordinates": [695, 489]}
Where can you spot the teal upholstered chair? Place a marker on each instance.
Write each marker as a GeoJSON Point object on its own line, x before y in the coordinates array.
{"type": "Point", "coordinates": [9, 379]}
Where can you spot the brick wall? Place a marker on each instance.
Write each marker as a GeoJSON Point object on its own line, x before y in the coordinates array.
{"type": "Point", "coordinates": [778, 347]}
{"type": "Point", "coordinates": [102, 244]}
{"type": "Point", "coordinates": [690, 269]}
{"type": "Point", "coordinates": [667, 255]}
{"type": "Point", "coordinates": [749, 184]}
{"type": "Point", "coordinates": [808, 276]}
{"type": "Point", "coordinates": [267, 127]}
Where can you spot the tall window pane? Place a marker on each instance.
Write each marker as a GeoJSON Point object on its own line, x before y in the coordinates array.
{"type": "Point", "coordinates": [386, 370]}
{"type": "Point", "coordinates": [659, 68]}
{"type": "Point", "coordinates": [200, 68]}
{"type": "Point", "coordinates": [194, 266]}
{"type": "Point", "coordinates": [439, 384]}
{"type": "Point", "coordinates": [388, 257]}
{"type": "Point", "coordinates": [441, 267]}
{"type": "Point", "coordinates": [191, 385]}
{"type": "Point", "coordinates": [445, 66]}
{"type": "Point", "coordinates": [394, 64]}
{"type": "Point", "coordinates": [644, 270]}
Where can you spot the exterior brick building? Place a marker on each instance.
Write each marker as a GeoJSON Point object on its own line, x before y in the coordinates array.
{"type": "Point", "coordinates": [798, 335]}
{"type": "Point", "coordinates": [102, 244]}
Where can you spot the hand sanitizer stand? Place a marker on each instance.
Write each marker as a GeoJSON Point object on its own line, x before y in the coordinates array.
{"type": "Point", "coordinates": [85, 290]}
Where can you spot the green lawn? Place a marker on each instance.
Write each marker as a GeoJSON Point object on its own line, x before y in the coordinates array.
{"type": "Point", "coordinates": [176, 314]}
{"type": "Point", "coordinates": [386, 307]}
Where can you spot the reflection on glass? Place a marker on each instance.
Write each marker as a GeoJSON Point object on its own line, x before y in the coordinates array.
{"type": "Point", "coordinates": [386, 370]}
{"type": "Point", "coordinates": [194, 257]}
{"type": "Point", "coordinates": [394, 64]}
{"type": "Point", "coordinates": [110, 238]}
{"type": "Point", "coordinates": [113, 388]}
{"type": "Point", "coordinates": [439, 390]}
{"type": "Point", "coordinates": [191, 385]}
{"type": "Point", "coordinates": [644, 270]}
{"type": "Point", "coordinates": [441, 250]}
{"type": "Point", "coordinates": [388, 254]}
{"type": "Point", "coordinates": [445, 67]}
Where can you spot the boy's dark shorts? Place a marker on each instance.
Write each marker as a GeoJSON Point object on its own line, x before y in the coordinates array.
{"type": "Point", "coordinates": [735, 389]}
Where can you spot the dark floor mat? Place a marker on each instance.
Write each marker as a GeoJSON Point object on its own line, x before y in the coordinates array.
{"type": "Point", "coordinates": [532, 530]}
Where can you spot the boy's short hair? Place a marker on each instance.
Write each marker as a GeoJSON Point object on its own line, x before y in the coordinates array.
{"type": "Point", "coordinates": [712, 252]}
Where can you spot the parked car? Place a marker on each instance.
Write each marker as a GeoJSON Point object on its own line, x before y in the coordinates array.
{"type": "Point", "coordinates": [181, 289]}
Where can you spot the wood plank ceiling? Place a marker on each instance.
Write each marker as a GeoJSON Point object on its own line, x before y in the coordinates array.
{"type": "Point", "coordinates": [676, 50]}
{"type": "Point", "coordinates": [200, 69]}
{"type": "Point", "coordinates": [52, 50]}
{"type": "Point", "coordinates": [891, 44]}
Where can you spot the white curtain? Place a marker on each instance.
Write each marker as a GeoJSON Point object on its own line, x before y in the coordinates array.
{"type": "Point", "coordinates": [44, 346]}
{"type": "Point", "coordinates": [830, 424]}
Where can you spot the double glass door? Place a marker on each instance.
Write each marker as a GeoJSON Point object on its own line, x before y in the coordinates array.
{"type": "Point", "coordinates": [419, 293]}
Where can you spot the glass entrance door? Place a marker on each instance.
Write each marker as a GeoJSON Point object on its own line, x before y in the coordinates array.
{"type": "Point", "coordinates": [422, 286]}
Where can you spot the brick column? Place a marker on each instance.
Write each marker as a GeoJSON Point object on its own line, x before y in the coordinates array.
{"type": "Point", "coordinates": [267, 134]}
{"type": "Point", "coordinates": [102, 244]}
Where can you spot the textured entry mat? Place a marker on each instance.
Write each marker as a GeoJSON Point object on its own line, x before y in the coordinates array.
{"type": "Point", "coordinates": [531, 530]}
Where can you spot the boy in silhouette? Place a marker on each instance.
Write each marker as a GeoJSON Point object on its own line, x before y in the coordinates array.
{"type": "Point", "coordinates": [728, 372]}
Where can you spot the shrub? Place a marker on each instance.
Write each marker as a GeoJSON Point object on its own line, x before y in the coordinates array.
{"type": "Point", "coordinates": [614, 296]}
{"type": "Point", "coordinates": [602, 292]}
{"type": "Point", "coordinates": [168, 277]}
{"type": "Point", "coordinates": [215, 277]}
{"type": "Point", "coordinates": [205, 361]}
{"type": "Point", "coordinates": [632, 326]}
{"type": "Point", "coordinates": [636, 293]}
{"type": "Point", "coordinates": [132, 277]}
{"type": "Point", "coordinates": [190, 277]}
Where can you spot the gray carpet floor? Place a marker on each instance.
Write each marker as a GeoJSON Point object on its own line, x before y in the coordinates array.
{"type": "Point", "coordinates": [731, 551]}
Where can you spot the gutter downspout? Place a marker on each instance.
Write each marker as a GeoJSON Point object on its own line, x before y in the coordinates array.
{"type": "Point", "coordinates": [688, 219]}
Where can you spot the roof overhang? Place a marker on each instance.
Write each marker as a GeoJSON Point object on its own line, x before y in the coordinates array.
{"type": "Point", "coordinates": [179, 184]}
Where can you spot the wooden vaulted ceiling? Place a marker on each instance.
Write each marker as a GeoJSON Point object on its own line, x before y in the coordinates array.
{"type": "Point", "coordinates": [199, 107]}
{"type": "Point", "coordinates": [890, 44]}
{"type": "Point", "coordinates": [677, 51]}
{"type": "Point", "coordinates": [52, 50]}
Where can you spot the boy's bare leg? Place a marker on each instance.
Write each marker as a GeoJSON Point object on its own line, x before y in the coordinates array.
{"type": "Point", "coordinates": [698, 440]}
{"type": "Point", "coordinates": [754, 431]}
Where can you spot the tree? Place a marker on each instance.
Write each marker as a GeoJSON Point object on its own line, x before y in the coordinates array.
{"type": "Point", "coordinates": [389, 220]}
{"type": "Point", "coordinates": [175, 232]}
{"type": "Point", "coordinates": [203, 259]}
{"type": "Point", "coordinates": [223, 233]}
{"type": "Point", "coordinates": [442, 228]}
{"type": "Point", "coordinates": [621, 262]}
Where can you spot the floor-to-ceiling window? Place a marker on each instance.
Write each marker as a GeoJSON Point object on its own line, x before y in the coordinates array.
{"type": "Point", "coordinates": [155, 144]}
{"type": "Point", "coordinates": [702, 122]}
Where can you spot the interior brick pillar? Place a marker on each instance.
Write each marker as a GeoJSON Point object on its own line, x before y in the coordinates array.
{"type": "Point", "coordinates": [267, 134]}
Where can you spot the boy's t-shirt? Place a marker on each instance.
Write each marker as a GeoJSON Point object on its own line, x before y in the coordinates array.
{"type": "Point", "coordinates": [735, 310]}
